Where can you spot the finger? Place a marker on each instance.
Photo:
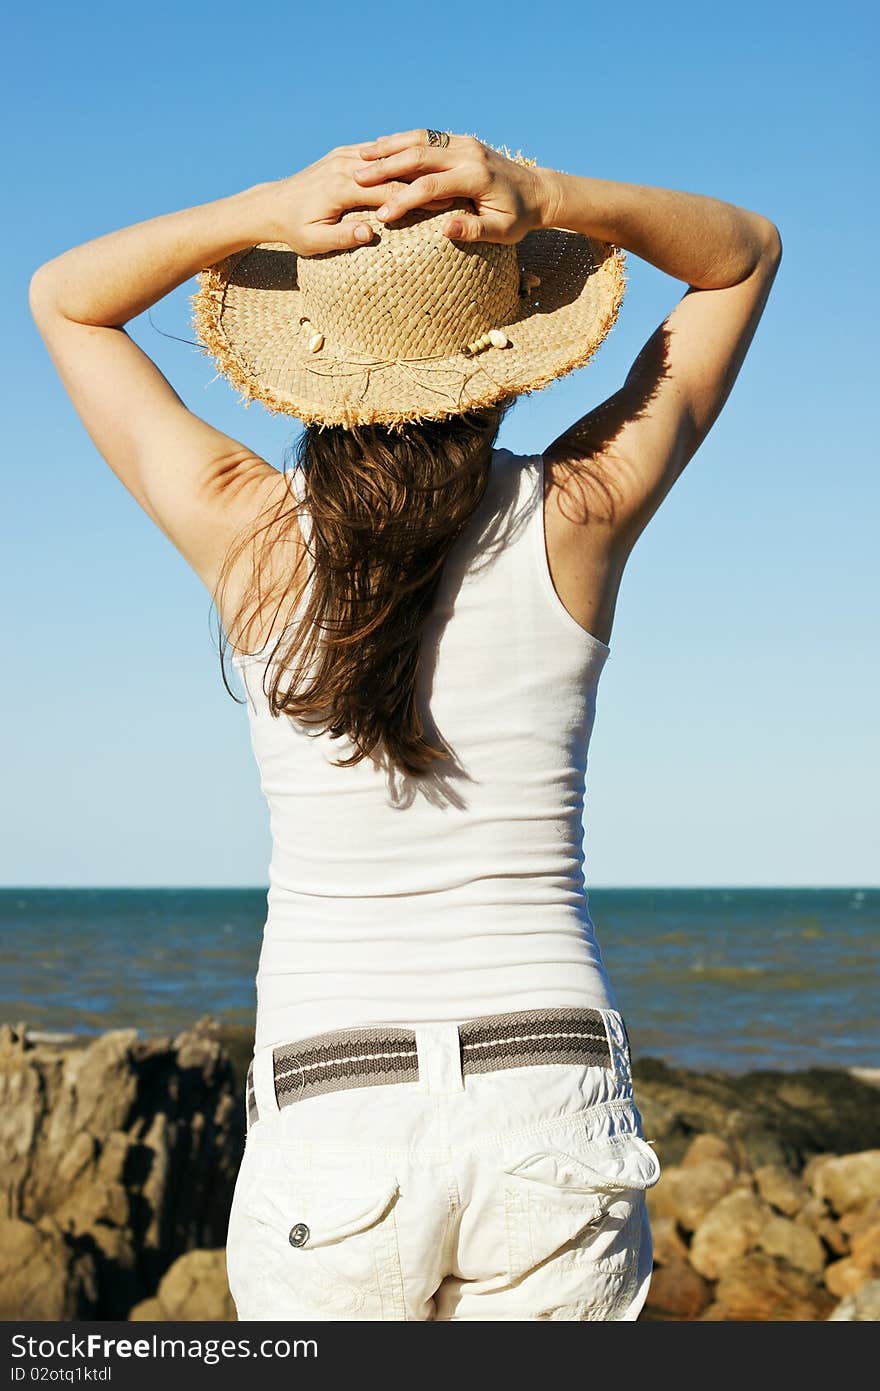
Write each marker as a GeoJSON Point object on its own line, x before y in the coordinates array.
{"type": "Point", "coordinates": [338, 236]}
{"type": "Point", "coordinates": [468, 227]}
{"type": "Point", "coordinates": [330, 234]}
{"type": "Point", "coordinates": [347, 194]}
{"type": "Point", "coordinates": [419, 194]}
{"type": "Point", "coordinates": [406, 164]}
{"type": "Point", "coordinates": [393, 144]}
{"type": "Point", "coordinates": [353, 150]}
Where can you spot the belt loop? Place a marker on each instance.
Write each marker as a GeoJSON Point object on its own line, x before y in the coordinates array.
{"type": "Point", "coordinates": [264, 1082]}
{"type": "Point", "coordinates": [439, 1050]}
{"type": "Point", "coordinates": [251, 1113]}
{"type": "Point", "coordinates": [618, 1047]}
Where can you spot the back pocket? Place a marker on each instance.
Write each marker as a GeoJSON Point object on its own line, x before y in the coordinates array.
{"type": "Point", "coordinates": [583, 1205]}
{"type": "Point", "coordinates": [324, 1248]}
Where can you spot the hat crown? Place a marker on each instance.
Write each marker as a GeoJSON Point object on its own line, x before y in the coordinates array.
{"type": "Point", "coordinates": [412, 293]}
{"type": "Point", "coordinates": [335, 339]}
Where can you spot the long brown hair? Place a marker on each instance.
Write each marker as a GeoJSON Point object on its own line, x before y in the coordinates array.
{"type": "Point", "coordinates": [386, 505]}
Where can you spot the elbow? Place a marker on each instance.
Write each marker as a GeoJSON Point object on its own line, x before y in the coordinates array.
{"type": "Point", "coordinates": [771, 241]}
{"type": "Point", "coordinates": [40, 292]}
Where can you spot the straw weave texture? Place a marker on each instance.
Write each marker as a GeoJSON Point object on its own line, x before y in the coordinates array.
{"type": "Point", "coordinates": [397, 315]}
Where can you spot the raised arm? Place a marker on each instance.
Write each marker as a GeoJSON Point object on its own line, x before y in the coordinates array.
{"type": "Point", "coordinates": [623, 457]}
{"type": "Point", "coordinates": [643, 436]}
{"type": "Point", "coordinates": [197, 484]}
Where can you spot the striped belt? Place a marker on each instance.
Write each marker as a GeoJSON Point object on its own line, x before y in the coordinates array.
{"type": "Point", "coordinates": [382, 1055]}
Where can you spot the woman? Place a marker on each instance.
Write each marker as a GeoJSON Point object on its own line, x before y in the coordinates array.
{"type": "Point", "coordinates": [441, 1121]}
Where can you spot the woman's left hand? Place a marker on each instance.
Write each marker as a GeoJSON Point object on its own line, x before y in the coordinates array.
{"type": "Point", "coordinates": [304, 209]}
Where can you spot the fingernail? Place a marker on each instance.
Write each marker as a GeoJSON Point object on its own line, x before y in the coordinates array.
{"type": "Point", "coordinates": [363, 233]}
{"type": "Point", "coordinates": [383, 211]}
{"type": "Point", "coordinates": [454, 229]}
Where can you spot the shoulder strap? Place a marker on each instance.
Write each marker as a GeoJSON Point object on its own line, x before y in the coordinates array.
{"type": "Point", "coordinates": [298, 483]}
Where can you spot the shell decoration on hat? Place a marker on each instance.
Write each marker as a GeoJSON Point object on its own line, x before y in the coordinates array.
{"type": "Point", "coordinates": [412, 326]}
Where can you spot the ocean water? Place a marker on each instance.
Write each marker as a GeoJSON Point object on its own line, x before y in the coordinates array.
{"type": "Point", "coordinates": [729, 979]}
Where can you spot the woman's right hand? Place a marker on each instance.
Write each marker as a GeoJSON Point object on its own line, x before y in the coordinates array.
{"type": "Point", "coordinates": [509, 199]}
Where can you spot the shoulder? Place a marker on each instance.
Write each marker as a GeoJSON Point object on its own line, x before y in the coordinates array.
{"type": "Point", "coordinates": [265, 565]}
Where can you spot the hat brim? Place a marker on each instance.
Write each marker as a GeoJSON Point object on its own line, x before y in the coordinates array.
{"type": "Point", "coordinates": [247, 316]}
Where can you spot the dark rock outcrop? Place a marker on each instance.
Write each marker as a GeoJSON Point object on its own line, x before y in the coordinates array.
{"type": "Point", "coordinates": [779, 1118]}
{"type": "Point", "coordinates": [117, 1157]}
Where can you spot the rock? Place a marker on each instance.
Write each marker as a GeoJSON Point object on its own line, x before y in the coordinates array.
{"type": "Point", "coordinates": [159, 1145]}
{"type": "Point", "coordinates": [195, 1288]}
{"type": "Point", "coordinates": [700, 1187]}
{"type": "Point", "coordinates": [865, 1215]}
{"type": "Point", "coordinates": [114, 1157]}
{"type": "Point", "coordinates": [688, 1194]}
{"type": "Point", "coordinates": [662, 1199]}
{"type": "Point", "coordinates": [664, 1125]}
{"type": "Point", "coordinates": [814, 1167]}
{"type": "Point", "coordinates": [21, 1111]}
{"type": "Point", "coordinates": [781, 1189]}
{"type": "Point", "coordinates": [849, 1181]}
{"type": "Point", "coordinates": [761, 1288]}
{"type": "Point", "coordinates": [833, 1238]}
{"type": "Point", "coordinates": [116, 1246]}
{"type": "Point", "coordinates": [668, 1243]}
{"type": "Point", "coordinates": [816, 1214]}
{"type": "Point", "coordinates": [767, 1117]}
{"type": "Point", "coordinates": [865, 1248]}
{"type": "Point", "coordinates": [864, 1305]}
{"type": "Point", "coordinates": [130, 1146]}
{"type": "Point", "coordinates": [728, 1232]}
{"type": "Point", "coordinates": [677, 1291]}
{"type": "Point", "coordinates": [814, 1210]}
{"type": "Point", "coordinates": [41, 1276]}
{"type": "Point", "coordinates": [78, 1160]}
{"type": "Point", "coordinates": [102, 1083]}
{"type": "Point", "coordinates": [846, 1277]}
{"type": "Point", "coordinates": [707, 1146]}
{"type": "Point", "coordinates": [94, 1203]}
{"type": "Point", "coordinates": [758, 1142]}
{"type": "Point", "coordinates": [793, 1242]}
{"type": "Point", "coordinates": [744, 1182]}
{"type": "Point", "coordinates": [148, 1311]}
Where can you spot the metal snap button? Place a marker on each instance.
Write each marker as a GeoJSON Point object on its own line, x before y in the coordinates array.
{"type": "Point", "coordinates": [299, 1234]}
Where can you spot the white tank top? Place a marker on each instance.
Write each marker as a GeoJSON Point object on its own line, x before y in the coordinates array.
{"type": "Point", "coordinates": [395, 900]}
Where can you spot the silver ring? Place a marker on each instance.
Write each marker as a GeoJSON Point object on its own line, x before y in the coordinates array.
{"type": "Point", "coordinates": [439, 138]}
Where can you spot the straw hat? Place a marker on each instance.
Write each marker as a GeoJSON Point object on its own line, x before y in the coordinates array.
{"type": "Point", "coordinates": [399, 330]}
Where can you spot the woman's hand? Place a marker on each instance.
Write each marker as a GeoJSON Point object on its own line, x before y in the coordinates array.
{"type": "Point", "coordinates": [304, 209]}
{"type": "Point", "coordinates": [508, 199]}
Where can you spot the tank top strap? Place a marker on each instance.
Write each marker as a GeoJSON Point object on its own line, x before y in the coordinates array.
{"type": "Point", "coordinates": [298, 484]}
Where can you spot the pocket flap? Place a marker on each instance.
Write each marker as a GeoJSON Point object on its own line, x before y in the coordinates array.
{"type": "Point", "coordinates": [309, 1215]}
{"type": "Point", "coordinates": [620, 1165]}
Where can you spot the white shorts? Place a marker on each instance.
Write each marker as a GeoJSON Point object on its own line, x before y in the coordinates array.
{"type": "Point", "coordinates": [505, 1192]}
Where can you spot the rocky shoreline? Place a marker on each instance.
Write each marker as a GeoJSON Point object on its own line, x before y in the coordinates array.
{"type": "Point", "coordinates": [119, 1157]}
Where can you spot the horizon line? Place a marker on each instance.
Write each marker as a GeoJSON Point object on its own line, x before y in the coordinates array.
{"type": "Point", "coordinates": [263, 888]}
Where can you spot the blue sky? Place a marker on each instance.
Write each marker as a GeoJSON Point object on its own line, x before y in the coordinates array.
{"type": "Point", "coordinates": [736, 738]}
